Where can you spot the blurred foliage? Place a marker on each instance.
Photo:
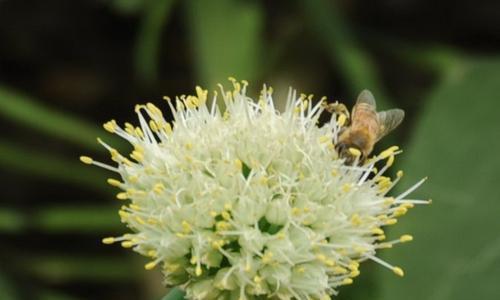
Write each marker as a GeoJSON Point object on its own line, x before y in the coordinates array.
{"type": "Point", "coordinates": [456, 254]}
{"type": "Point", "coordinates": [55, 210]}
{"type": "Point", "coordinates": [226, 39]}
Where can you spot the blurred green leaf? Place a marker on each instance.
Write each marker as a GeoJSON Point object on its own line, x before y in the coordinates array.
{"type": "Point", "coordinates": [78, 268]}
{"type": "Point", "coordinates": [31, 113]}
{"type": "Point", "coordinates": [174, 294]}
{"type": "Point", "coordinates": [226, 36]}
{"type": "Point", "coordinates": [77, 219]}
{"type": "Point", "coordinates": [456, 252]}
{"type": "Point", "coordinates": [356, 66]}
{"type": "Point", "coordinates": [7, 291]}
{"type": "Point", "coordinates": [128, 6]}
{"type": "Point", "coordinates": [53, 295]}
{"type": "Point", "coordinates": [11, 221]}
{"type": "Point", "coordinates": [147, 56]}
{"type": "Point", "coordinates": [16, 158]}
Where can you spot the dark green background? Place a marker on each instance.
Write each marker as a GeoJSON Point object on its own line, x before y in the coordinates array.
{"type": "Point", "coordinates": [68, 66]}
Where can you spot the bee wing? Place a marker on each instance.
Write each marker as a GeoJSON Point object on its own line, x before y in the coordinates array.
{"type": "Point", "coordinates": [388, 120]}
{"type": "Point", "coordinates": [366, 97]}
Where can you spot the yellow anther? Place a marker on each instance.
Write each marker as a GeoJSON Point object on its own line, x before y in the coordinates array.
{"type": "Point", "coordinates": [307, 209]}
{"type": "Point", "coordinates": [134, 206]}
{"type": "Point", "coordinates": [296, 211]}
{"type": "Point", "coordinates": [330, 262]}
{"type": "Point", "coordinates": [108, 240]}
{"type": "Point", "coordinates": [391, 221]}
{"type": "Point", "coordinates": [123, 214]}
{"type": "Point", "coordinates": [355, 152]}
{"type": "Point", "coordinates": [267, 257]}
{"type": "Point", "coordinates": [389, 200]}
{"type": "Point", "coordinates": [222, 225]}
{"type": "Point", "coordinates": [150, 265]}
{"type": "Point", "coordinates": [390, 161]}
{"type": "Point", "coordinates": [354, 273]}
{"type": "Point", "coordinates": [198, 270]}
{"type": "Point", "coordinates": [401, 210]}
{"type": "Point", "coordinates": [347, 281]}
{"type": "Point", "coordinates": [226, 216]}
{"type": "Point", "coordinates": [194, 259]}
{"type": "Point", "coordinates": [377, 231]}
{"type": "Point", "coordinates": [213, 214]}
{"type": "Point", "coordinates": [138, 156]}
{"type": "Point", "coordinates": [110, 126]}
{"type": "Point", "coordinates": [248, 268]}
{"type": "Point", "coordinates": [138, 132]}
{"type": "Point", "coordinates": [257, 279]}
{"type": "Point", "coordinates": [152, 253]}
{"type": "Point", "coordinates": [346, 187]}
{"type": "Point", "coordinates": [301, 270]}
{"type": "Point", "coordinates": [127, 244]}
{"type": "Point", "coordinates": [400, 174]}
{"type": "Point", "coordinates": [356, 220]}
{"type": "Point", "coordinates": [383, 180]}
{"type": "Point", "coordinates": [154, 109]}
{"type": "Point", "coordinates": [122, 196]}
{"type": "Point", "coordinates": [158, 188]}
{"type": "Point", "coordinates": [172, 268]}
{"type": "Point", "coordinates": [321, 257]}
{"type": "Point", "coordinates": [238, 164]}
{"type": "Point", "coordinates": [381, 237]}
{"type": "Point", "coordinates": [138, 107]}
{"type": "Point", "coordinates": [339, 270]}
{"type": "Point", "coordinates": [217, 244]}
{"type": "Point", "coordinates": [409, 205]}
{"type": "Point", "coordinates": [281, 235]}
{"type": "Point", "coordinates": [153, 126]}
{"type": "Point", "coordinates": [167, 128]}
{"type": "Point", "coordinates": [398, 271]}
{"type": "Point", "coordinates": [114, 182]}
{"type": "Point", "coordinates": [341, 120]}
{"type": "Point", "coordinates": [186, 227]}
{"type": "Point", "coordinates": [140, 220]}
{"type": "Point", "coordinates": [406, 238]}
{"type": "Point", "coordinates": [201, 94]}
{"type": "Point", "coordinates": [86, 160]}
{"type": "Point", "coordinates": [228, 206]}
{"type": "Point", "coordinates": [388, 152]}
{"type": "Point", "coordinates": [335, 173]}
{"type": "Point", "coordinates": [353, 265]}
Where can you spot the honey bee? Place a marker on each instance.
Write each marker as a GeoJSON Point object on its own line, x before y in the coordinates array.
{"type": "Point", "coordinates": [367, 127]}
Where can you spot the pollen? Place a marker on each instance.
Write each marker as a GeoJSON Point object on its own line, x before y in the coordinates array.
{"type": "Point", "coordinates": [355, 152]}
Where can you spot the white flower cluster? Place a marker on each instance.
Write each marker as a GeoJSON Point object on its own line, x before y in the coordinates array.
{"type": "Point", "coordinates": [250, 201]}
